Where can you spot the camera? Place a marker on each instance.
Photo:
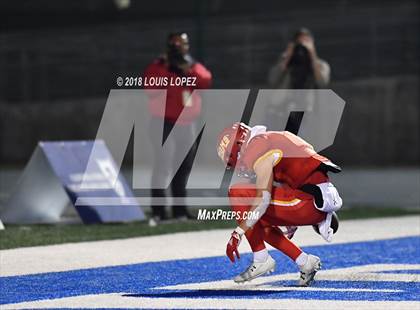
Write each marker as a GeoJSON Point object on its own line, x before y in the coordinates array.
{"type": "Point", "coordinates": [300, 56]}
{"type": "Point", "coordinates": [176, 58]}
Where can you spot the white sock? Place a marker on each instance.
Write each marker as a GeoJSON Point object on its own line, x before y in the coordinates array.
{"type": "Point", "coordinates": [261, 256]}
{"type": "Point", "coordinates": [301, 259]}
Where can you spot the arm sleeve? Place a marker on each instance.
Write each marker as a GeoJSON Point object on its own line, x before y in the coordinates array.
{"type": "Point", "coordinates": [204, 77]}
{"type": "Point", "coordinates": [276, 76]}
{"type": "Point", "coordinates": [260, 209]}
{"type": "Point", "coordinates": [325, 72]}
{"type": "Point", "coordinates": [155, 69]}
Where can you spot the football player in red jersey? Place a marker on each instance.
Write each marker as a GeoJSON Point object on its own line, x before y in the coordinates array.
{"type": "Point", "coordinates": [291, 189]}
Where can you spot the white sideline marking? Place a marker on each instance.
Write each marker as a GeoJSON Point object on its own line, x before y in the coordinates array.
{"type": "Point", "coordinates": [357, 273]}
{"type": "Point", "coordinates": [117, 300]}
{"type": "Point", "coordinates": [95, 254]}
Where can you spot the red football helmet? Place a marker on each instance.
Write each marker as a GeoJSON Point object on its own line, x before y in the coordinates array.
{"type": "Point", "coordinates": [230, 142]}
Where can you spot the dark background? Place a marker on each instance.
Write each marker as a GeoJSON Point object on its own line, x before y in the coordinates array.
{"type": "Point", "coordinates": [59, 59]}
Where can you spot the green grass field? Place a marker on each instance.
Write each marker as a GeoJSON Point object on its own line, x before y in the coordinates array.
{"type": "Point", "coordinates": [15, 236]}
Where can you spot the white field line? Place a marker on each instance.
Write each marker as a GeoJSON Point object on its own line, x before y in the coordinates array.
{"type": "Point", "coordinates": [188, 245]}
{"type": "Point", "coordinates": [118, 300]}
{"type": "Point", "coordinates": [357, 273]}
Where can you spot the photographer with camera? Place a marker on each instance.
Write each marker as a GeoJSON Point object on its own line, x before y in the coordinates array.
{"type": "Point", "coordinates": [175, 63]}
{"type": "Point", "coordinates": [300, 67]}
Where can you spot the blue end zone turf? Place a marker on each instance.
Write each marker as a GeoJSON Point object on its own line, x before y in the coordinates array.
{"type": "Point", "coordinates": [140, 279]}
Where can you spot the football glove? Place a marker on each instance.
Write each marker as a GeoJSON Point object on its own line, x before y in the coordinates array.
{"type": "Point", "coordinates": [232, 246]}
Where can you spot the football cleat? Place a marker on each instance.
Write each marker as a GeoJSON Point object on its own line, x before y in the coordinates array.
{"type": "Point", "coordinates": [308, 271]}
{"type": "Point", "coordinates": [255, 270]}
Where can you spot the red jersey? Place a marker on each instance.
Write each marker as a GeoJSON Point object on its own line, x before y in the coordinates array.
{"type": "Point", "coordinates": [178, 98]}
{"type": "Point", "coordinates": [294, 159]}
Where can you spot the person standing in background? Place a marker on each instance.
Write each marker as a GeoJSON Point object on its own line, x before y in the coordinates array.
{"type": "Point", "coordinates": [175, 62]}
{"type": "Point", "coordinates": [299, 68]}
